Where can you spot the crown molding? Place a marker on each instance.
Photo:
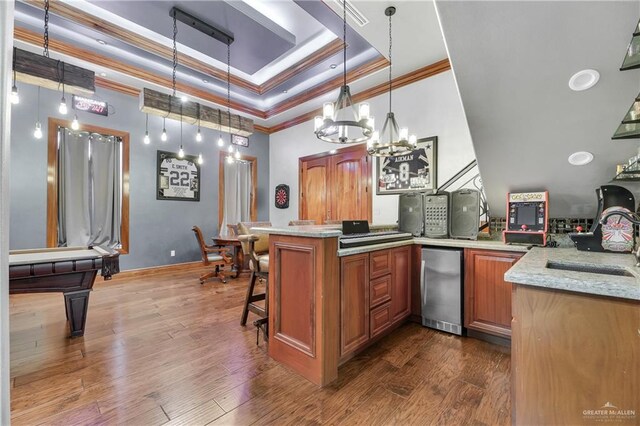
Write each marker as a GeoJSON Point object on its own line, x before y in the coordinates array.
{"type": "Point", "coordinates": [64, 48]}
{"type": "Point", "coordinates": [80, 17]}
{"type": "Point", "coordinates": [396, 83]}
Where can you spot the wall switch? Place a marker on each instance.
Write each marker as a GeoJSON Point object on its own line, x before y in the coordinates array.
{"type": "Point", "coordinates": [173, 253]}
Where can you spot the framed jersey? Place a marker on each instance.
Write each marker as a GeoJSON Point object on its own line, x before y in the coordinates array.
{"type": "Point", "coordinates": [416, 171]}
{"type": "Point", "coordinates": [178, 178]}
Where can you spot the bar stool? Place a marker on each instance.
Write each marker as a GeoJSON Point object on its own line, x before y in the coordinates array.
{"type": "Point", "coordinates": [256, 247]}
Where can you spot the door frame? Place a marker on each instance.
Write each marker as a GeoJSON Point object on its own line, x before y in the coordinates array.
{"type": "Point", "coordinates": [327, 155]}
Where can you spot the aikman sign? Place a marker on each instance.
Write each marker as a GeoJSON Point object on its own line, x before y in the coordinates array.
{"type": "Point", "coordinates": [609, 413]}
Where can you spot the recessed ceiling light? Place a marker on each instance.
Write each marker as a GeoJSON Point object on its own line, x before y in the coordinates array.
{"type": "Point", "coordinates": [204, 80]}
{"type": "Point", "coordinates": [103, 74]}
{"type": "Point", "coordinates": [333, 66]}
{"type": "Point", "coordinates": [333, 151]}
{"type": "Point", "coordinates": [580, 158]}
{"type": "Point", "coordinates": [102, 42]}
{"type": "Point", "coordinates": [285, 91]}
{"type": "Point", "coordinates": [583, 80]}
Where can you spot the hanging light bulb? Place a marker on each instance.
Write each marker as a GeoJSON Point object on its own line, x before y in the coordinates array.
{"type": "Point", "coordinates": [200, 160]}
{"type": "Point", "coordinates": [37, 133]}
{"type": "Point", "coordinates": [198, 136]}
{"type": "Point", "coordinates": [181, 153]}
{"type": "Point", "coordinates": [230, 149]}
{"type": "Point", "coordinates": [15, 98]}
{"type": "Point", "coordinates": [62, 109]}
{"type": "Point", "coordinates": [229, 159]}
{"type": "Point", "coordinates": [147, 139]}
{"type": "Point", "coordinates": [75, 125]}
{"type": "Point", "coordinates": [163, 137]}
{"type": "Point", "coordinates": [220, 142]}
{"type": "Point", "coordinates": [237, 155]}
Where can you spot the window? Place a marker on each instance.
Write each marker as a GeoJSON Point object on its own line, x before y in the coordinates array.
{"type": "Point", "coordinates": [237, 185]}
{"type": "Point", "coordinates": [87, 190]}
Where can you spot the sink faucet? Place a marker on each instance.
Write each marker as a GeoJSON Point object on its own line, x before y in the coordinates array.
{"type": "Point", "coordinates": [634, 219]}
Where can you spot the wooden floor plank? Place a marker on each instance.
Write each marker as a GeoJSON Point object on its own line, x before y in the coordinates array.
{"type": "Point", "coordinates": [164, 349]}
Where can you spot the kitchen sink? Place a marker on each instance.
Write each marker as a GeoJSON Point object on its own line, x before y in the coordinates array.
{"type": "Point", "coordinates": [576, 267]}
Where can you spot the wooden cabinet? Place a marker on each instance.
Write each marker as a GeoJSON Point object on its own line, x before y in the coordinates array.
{"type": "Point", "coordinates": [487, 304]}
{"type": "Point", "coordinates": [335, 186]}
{"type": "Point", "coordinates": [354, 302]}
{"type": "Point", "coordinates": [375, 295]}
{"type": "Point", "coordinates": [400, 282]}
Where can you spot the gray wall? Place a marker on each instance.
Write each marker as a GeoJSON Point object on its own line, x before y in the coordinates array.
{"type": "Point", "coordinates": [156, 227]}
{"type": "Point", "coordinates": [512, 61]}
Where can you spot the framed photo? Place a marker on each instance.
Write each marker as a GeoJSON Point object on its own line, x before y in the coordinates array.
{"type": "Point", "coordinates": [177, 178]}
{"type": "Point", "coordinates": [415, 171]}
{"type": "Point", "coordinates": [240, 140]}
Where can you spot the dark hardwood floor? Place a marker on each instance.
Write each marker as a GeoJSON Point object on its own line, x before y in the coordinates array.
{"type": "Point", "coordinates": [163, 349]}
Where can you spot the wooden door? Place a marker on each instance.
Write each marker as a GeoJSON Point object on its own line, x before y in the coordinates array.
{"type": "Point", "coordinates": [349, 182]}
{"type": "Point", "coordinates": [400, 283]}
{"type": "Point", "coordinates": [354, 302]}
{"type": "Point", "coordinates": [314, 175]}
{"type": "Point", "coordinates": [335, 186]}
{"type": "Point", "coordinates": [487, 306]}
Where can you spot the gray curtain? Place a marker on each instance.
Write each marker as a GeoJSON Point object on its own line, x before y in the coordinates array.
{"type": "Point", "coordinates": [237, 194]}
{"type": "Point", "coordinates": [89, 189]}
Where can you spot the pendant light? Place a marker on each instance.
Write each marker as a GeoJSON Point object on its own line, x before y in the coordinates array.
{"type": "Point", "coordinates": [164, 137]}
{"type": "Point", "coordinates": [198, 135]}
{"type": "Point", "coordinates": [237, 155]}
{"type": "Point", "coordinates": [37, 133]}
{"type": "Point", "coordinates": [75, 124]}
{"type": "Point", "coordinates": [147, 139]}
{"type": "Point", "coordinates": [62, 109]}
{"type": "Point", "coordinates": [220, 141]}
{"type": "Point", "coordinates": [200, 159]}
{"type": "Point", "coordinates": [393, 140]}
{"type": "Point", "coordinates": [343, 122]}
{"type": "Point", "coordinates": [14, 97]}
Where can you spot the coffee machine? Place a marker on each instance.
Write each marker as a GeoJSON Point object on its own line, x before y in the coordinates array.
{"type": "Point", "coordinates": [617, 234]}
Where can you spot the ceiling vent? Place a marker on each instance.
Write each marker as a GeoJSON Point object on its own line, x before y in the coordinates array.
{"type": "Point", "coordinates": [353, 12]}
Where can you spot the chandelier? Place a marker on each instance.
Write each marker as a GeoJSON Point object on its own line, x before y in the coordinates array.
{"type": "Point", "coordinates": [343, 122]}
{"type": "Point", "coordinates": [393, 140]}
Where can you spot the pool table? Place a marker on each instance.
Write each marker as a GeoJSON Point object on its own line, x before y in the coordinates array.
{"type": "Point", "coordinates": [67, 270]}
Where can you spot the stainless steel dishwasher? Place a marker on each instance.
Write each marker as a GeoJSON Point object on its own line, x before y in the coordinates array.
{"type": "Point", "coordinates": [441, 289]}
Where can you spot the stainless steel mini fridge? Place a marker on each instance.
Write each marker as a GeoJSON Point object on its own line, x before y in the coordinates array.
{"type": "Point", "coordinates": [441, 289]}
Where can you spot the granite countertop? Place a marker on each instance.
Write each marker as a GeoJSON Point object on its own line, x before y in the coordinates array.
{"type": "Point", "coordinates": [532, 270]}
{"type": "Point", "coordinates": [475, 244]}
{"type": "Point", "coordinates": [312, 231]}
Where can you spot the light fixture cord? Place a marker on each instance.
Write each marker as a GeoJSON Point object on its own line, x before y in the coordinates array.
{"type": "Point", "coordinates": [390, 62]}
{"type": "Point", "coordinates": [14, 66]}
{"type": "Point", "coordinates": [175, 53]}
{"type": "Point", "coordinates": [146, 121]}
{"type": "Point", "coordinates": [38, 108]}
{"type": "Point", "coordinates": [46, 29]}
{"type": "Point", "coordinates": [344, 41]}
{"type": "Point", "coordinates": [229, 88]}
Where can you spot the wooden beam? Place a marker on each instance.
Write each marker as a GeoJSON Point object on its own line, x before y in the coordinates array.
{"type": "Point", "coordinates": [172, 107]}
{"type": "Point", "coordinates": [36, 69]}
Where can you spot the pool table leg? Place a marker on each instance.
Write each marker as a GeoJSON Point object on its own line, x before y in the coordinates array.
{"type": "Point", "coordinates": [76, 304]}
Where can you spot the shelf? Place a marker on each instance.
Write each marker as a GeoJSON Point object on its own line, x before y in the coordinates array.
{"type": "Point", "coordinates": [632, 57]}
{"type": "Point", "coordinates": [630, 173]}
{"type": "Point", "coordinates": [627, 131]}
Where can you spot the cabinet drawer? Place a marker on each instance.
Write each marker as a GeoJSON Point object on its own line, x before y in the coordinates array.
{"type": "Point", "coordinates": [380, 319]}
{"type": "Point", "coordinates": [380, 263]}
{"type": "Point", "coordinates": [380, 291]}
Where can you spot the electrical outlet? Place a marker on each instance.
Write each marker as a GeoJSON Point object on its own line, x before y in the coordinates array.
{"type": "Point", "coordinates": [173, 253]}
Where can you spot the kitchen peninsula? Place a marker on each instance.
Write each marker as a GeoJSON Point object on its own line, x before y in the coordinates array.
{"type": "Point", "coordinates": [321, 309]}
{"type": "Point", "coordinates": [575, 344]}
